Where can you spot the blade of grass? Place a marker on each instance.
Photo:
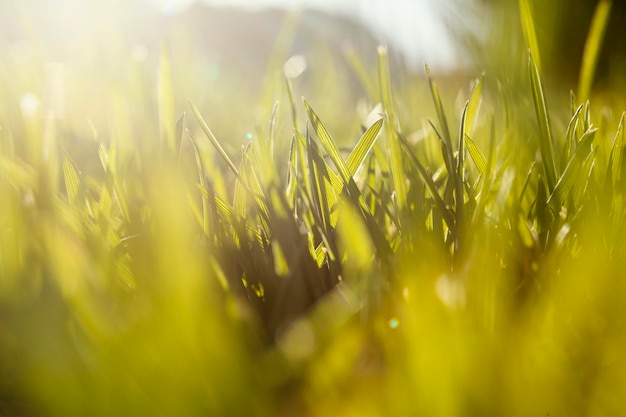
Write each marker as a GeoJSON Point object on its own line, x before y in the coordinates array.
{"type": "Point", "coordinates": [351, 188]}
{"type": "Point", "coordinates": [614, 171]}
{"type": "Point", "coordinates": [213, 140]}
{"type": "Point", "coordinates": [398, 174]}
{"type": "Point", "coordinates": [545, 138]}
{"type": "Point", "coordinates": [593, 45]}
{"type": "Point", "coordinates": [530, 34]}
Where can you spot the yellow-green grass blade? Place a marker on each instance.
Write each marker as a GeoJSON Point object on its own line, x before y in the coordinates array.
{"type": "Point", "coordinates": [292, 179]}
{"type": "Point", "coordinates": [445, 136]}
{"type": "Point", "coordinates": [530, 34]}
{"type": "Point", "coordinates": [398, 174]}
{"type": "Point", "coordinates": [318, 168]}
{"type": "Point", "coordinates": [202, 178]}
{"type": "Point", "coordinates": [240, 202]}
{"type": "Point", "coordinates": [571, 172]}
{"type": "Point", "coordinates": [209, 134]}
{"type": "Point", "coordinates": [473, 106]}
{"type": "Point", "coordinates": [292, 104]}
{"type": "Point", "coordinates": [166, 100]}
{"type": "Point", "coordinates": [593, 46]}
{"type": "Point", "coordinates": [478, 158]}
{"type": "Point", "coordinates": [614, 172]}
{"type": "Point", "coordinates": [460, 173]}
{"type": "Point", "coordinates": [363, 147]}
{"type": "Point", "coordinates": [178, 133]}
{"type": "Point", "coordinates": [546, 145]}
{"type": "Point", "coordinates": [430, 184]}
{"type": "Point", "coordinates": [351, 188]}
{"type": "Point", "coordinates": [18, 173]}
{"type": "Point", "coordinates": [72, 180]}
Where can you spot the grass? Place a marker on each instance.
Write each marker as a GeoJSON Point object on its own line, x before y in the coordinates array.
{"type": "Point", "coordinates": [469, 262]}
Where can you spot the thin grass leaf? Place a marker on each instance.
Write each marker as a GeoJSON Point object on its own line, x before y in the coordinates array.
{"type": "Point", "coordinates": [72, 180]}
{"type": "Point", "coordinates": [19, 174]}
{"type": "Point", "coordinates": [592, 48]}
{"type": "Point", "coordinates": [474, 105]}
{"type": "Point", "coordinates": [292, 173]}
{"type": "Point", "coordinates": [178, 134]}
{"type": "Point", "coordinates": [478, 158]}
{"type": "Point", "coordinates": [398, 174]}
{"type": "Point", "coordinates": [570, 174]}
{"type": "Point", "coordinates": [614, 171]}
{"type": "Point", "coordinates": [432, 187]}
{"type": "Point", "coordinates": [530, 34]}
{"type": "Point", "coordinates": [443, 121]}
{"type": "Point", "coordinates": [352, 190]}
{"type": "Point", "coordinates": [202, 178]}
{"type": "Point", "coordinates": [363, 147]}
{"type": "Point", "coordinates": [546, 145]}
{"type": "Point", "coordinates": [460, 177]}
{"type": "Point", "coordinates": [213, 140]}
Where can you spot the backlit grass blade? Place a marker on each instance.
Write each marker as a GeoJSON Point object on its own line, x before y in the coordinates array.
{"type": "Point", "coordinates": [432, 187]}
{"type": "Point", "coordinates": [292, 178]}
{"type": "Point", "coordinates": [317, 167]}
{"type": "Point", "coordinates": [592, 48]}
{"type": "Point", "coordinates": [292, 104]}
{"type": "Point", "coordinates": [473, 106]}
{"type": "Point", "coordinates": [460, 177]}
{"type": "Point", "coordinates": [19, 174]}
{"type": "Point", "coordinates": [546, 145]}
{"type": "Point", "coordinates": [72, 181]}
{"type": "Point", "coordinates": [351, 188]}
{"type": "Point", "coordinates": [202, 178]}
{"type": "Point", "coordinates": [213, 140]}
{"type": "Point", "coordinates": [477, 157]}
{"type": "Point", "coordinates": [614, 171]}
{"type": "Point", "coordinates": [398, 173]}
{"type": "Point", "coordinates": [363, 147]}
{"type": "Point", "coordinates": [571, 172]}
{"type": "Point", "coordinates": [166, 100]}
{"type": "Point", "coordinates": [178, 134]}
{"type": "Point", "coordinates": [530, 34]}
{"type": "Point", "coordinates": [443, 120]}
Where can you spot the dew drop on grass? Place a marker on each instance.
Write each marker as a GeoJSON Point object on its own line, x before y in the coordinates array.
{"type": "Point", "coordinates": [249, 136]}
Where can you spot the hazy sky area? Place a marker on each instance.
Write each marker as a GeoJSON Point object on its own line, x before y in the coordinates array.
{"type": "Point", "coordinates": [413, 26]}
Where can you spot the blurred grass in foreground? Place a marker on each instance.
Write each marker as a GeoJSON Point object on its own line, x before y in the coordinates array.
{"type": "Point", "coordinates": [445, 260]}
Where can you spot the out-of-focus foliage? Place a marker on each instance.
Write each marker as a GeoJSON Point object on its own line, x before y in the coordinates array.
{"type": "Point", "coordinates": [446, 258]}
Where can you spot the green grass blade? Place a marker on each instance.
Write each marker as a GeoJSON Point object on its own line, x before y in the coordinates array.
{"type": "Point", "coordinates": [398, 173]}
{"type": "Point", "coordinates": [213, 140]}
{"type": "Point", "coordinates": [432, 187]}
{"type": "Point", "coordinates": [477, 157]}
{"type": "Point", "coordinates": [178, 134]}
{"type": "Point", "coordinates": [460, 176]}
{"type": "Point", "coordinates": [474, 106]}
{"type": "Point", "coordinates": [530, 34]}
{"type": "Point", "coordinates": [571, 172]}
{"type": "Point", "coordinates": [443, 121]}
{"type": "Point", "coordinates": [72, 180]}
{"type": "Point", "coordinates": [384, 250]}
{"type": "Point", "coordinates": [592, 48]}
{"type": "Point", "coordinates": [546, 145]}
{"type": "Point", "coordinates": [614, 171]}
{"type": "Point", "coordinates": [363, 147]}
